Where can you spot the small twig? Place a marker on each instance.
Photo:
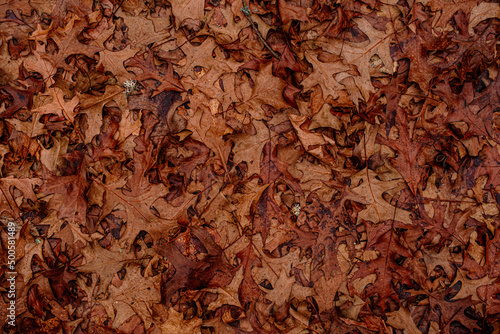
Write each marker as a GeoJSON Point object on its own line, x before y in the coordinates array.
{"type": "Point", "coordinates": [248, 14]}
{"type": "Point", "coordinates": [119, 5]}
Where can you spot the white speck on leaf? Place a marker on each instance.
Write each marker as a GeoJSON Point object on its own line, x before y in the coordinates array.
{"type": "Point", "coordinates": [130, 86]}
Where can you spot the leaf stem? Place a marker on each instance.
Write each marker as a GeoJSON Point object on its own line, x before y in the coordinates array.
{"type": "Point", "coordinates": [248, 15]}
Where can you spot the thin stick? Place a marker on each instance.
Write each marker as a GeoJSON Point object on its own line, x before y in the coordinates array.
{"type": "Point", "coordinates": [121, 3]}
{"type": "Point", "coordinates": [247, 13]}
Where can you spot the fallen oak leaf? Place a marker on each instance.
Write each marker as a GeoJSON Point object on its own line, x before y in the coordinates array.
{"type": "Point", "coordinates": [359, 54]}
{"type": "Point", "coordinates": [382, 238]}
{"type": "Point", "coordinates": [287, 60]}
{"type": "Point", "coordinates": [421, 70]}
{"type": "Point", "coordinates": [448, 8]}
{"type": "Point", "coordinates": [201, 55]}
{"type": "Point", "coordinates": [276, 271]}
{"type": "Point", "coordinates": [469, 287]}
{"type": "Point", "coordinates": [21, 99]}
{"type": "Point", "coordinates": [248, 147]}
{"type": "Point", "coordinates": [60, 9]}
{"type": "Point", "coordinates": [401, 319]}
{"type": "Point", "coordinates": [141, 30]}
{"type": "Point", "coordinates": [59, 280]}
{"type": "Point", "coordinates": [168, 81]}
{"type": "Point", "coordinates": [68, 44]}
{"type": "Point", "coordinates": [229, 30]}
{"type": "Point", "coordinates": [142, 200]}
{"type": "Point", "coordinates": [209, 129]}
{"type": "Point", "coordinates": [92, 105]}
{"type": "Point", "coordinates": [135, 290]}
{"type": "Point", "coordinates": [449, 311]}
{"type": "Point", "coordinates": [366, 184]}
{"type": "Point", "coordinates": [489, 294]}
{"type": "Point", "coordinates": [8, 202]}
{"type": "Point", "coordinates": [316, 144]}
{"type": "Point", "coordinates": [272, 168]}
{"type": "Point", "coordinates": [481, 12]}
{"type": "Point", "coordinates": [177, 324]}
{"type": "Point", "coordinates": [218, 85]}
{"type": "Point", "coordinates": [227, 295]}
{"type": "Point", "coordinates": [324, 75]}
{"type": "Point", "coordinates": [45, 67]}
{"type": "Point", "coordinates": [112, 61]}
{"type": "Point", "coordinates": [50, 157]}
{"type": "Point", "coordinates": [189, 273]}
{"type": "Point", "coordinates": [32, 128]}
{"type": "Point", "coordinates": [290, 12]}
{"type": "Point", "coordinates": [409, 159]}
{"type": "Point", "coordinates": [478, 120]}
{"type": "Point", "coordinates": [326, 288]}
{"type": "Point", "coordinates": [265, 210]}
{"type": "Point", "coordinates": [248, 291]}
{"type": "Point", "coordinates": [69, 194]}
{"type": "Point", "coordinates": [59, 106]}
{"type": "Point", "coordinates": [183, 164]}
{"type": "Point", "coordinates": [139, 209]}
{"type": "Point", "coordinates": [105, 263]}
{"type": "Point", "coordinates": [267, 89]}
{"type": "Point", "coordinates": [187, 9]}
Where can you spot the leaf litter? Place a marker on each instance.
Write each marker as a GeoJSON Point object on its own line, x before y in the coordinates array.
{"type": "Point", "coordinates": [272, 166]}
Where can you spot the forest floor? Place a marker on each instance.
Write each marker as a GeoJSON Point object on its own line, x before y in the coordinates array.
{"type": "Point", "coordinates": [264, 166]}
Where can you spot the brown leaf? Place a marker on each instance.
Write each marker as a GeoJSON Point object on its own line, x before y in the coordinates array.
{"type": "Point", "coordinates": [69, 196]}
{"type": "Point", "coordinates": [112, 61]}
{"type": "Point", "coordinates": [191, 9]}
{"type": "Point", "coordinates": [21, 99]}
{"type": "Point", "coordinates": [8, 201]}
{"type": "Point", "coordinates": [268, 89]}
{"type": "Point", "coordinates": [360, 54]}
{"type": "Point", "coordinates": [249, 291]}
{"type": "Point", "coordinates": [68, 44]}
{"type": "Point", "coordinates": [105, 263]}
{"type": "Point", "coordinates": [409, 151]}
{"type": "Point", "coordinates": [290, 12]}
{"type": "Point", "coordinates": [192, 274]}
{"type": "Point", "coordinates": [59, 106]}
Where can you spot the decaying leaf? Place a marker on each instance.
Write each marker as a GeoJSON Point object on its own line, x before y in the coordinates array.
{"type": "Point", "coordinates": [264, 166]}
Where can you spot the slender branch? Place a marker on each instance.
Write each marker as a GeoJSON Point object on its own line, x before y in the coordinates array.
{"type": "Point", "coordinates": [119, 5]}
{"type": "Point", "coordinates": [248, 15]}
